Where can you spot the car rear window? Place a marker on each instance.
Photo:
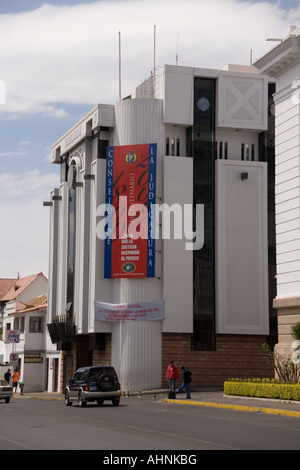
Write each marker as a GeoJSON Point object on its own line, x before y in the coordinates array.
{"type": "Point", "coordinates": [97, 371]}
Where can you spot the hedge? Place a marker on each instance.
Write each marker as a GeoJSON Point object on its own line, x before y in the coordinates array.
{"type": "Point", "coordinates": [262, 388]}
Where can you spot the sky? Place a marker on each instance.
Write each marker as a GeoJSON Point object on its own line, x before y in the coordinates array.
{"type": "Point", "coordinates": [58, 59]}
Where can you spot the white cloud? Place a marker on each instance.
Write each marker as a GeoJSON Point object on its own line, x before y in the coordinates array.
{"type": "Point", "coordinates": [69, 54]}
{"type": "Point", "coordinates": [31, 184]}
{"type": "Point", "coordinates": [24, 235]}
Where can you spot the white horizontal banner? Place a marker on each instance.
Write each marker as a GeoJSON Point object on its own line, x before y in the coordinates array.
{"type": "Point", "coordinates": [133, 311]}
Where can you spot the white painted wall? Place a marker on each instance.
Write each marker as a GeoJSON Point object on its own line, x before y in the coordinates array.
{"type": "Point", "coordinates": [37, 287]}
{"type": "Point", "coordinates": [177, 261]}
{"type": "Point", "coordinates": [287, 187]}
{"type": "Point", "coordinates": [282, 63]}
{"type": "Point", "coordinates": [242, 248]}
{"type": "Point", "coordinates": [242, 101]}
{"type": "Point", "coordinates": [32, 374]}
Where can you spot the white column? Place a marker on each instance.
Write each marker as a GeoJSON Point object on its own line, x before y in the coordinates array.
{"type": "Point", "coordinates": [136, 345]}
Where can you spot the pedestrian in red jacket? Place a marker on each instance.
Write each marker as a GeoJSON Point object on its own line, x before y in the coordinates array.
{"type": "Point", "coordinates": [172, 375]}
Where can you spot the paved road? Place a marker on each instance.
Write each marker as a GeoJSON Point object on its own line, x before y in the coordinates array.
{"type": "Point", "coordinates": [141, 424]}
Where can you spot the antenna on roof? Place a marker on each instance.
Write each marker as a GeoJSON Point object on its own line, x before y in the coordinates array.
{"type": "Point", "coordinates": [154, 61]}
{"type": "Point", "coordinates": [119, 66]}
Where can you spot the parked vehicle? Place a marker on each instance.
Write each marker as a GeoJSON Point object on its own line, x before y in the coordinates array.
{"type": "Point", "coordinates": [96, 383]}
{"type": "Point", "coordinates": [6, 391]}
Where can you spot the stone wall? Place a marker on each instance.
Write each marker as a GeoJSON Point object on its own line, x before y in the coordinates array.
{"type": "Point", "coordinates": [235, 356]}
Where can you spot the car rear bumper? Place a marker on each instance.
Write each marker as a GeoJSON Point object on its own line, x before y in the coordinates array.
{"type": "Point", "coordinates": [87, 396]}
{"type": "Point", "coordinates": [6, 395]}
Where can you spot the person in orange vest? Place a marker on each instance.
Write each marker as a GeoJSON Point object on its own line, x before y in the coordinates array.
{"type": "Point", "coordinates": [172, 375]}
{"type": "Point", "coordinates": [15, 377]}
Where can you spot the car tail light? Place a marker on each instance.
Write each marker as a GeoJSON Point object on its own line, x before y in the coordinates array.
{"type": "Point", "coordinates": [119, 386]}
{"type": "Point", "coordinates": [86, 388]}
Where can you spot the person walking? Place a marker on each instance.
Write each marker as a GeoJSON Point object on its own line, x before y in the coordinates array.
{"type": "Point", "coordinates": [172, 375]}
{"type": "Point", "coordinates": [7, 376]}
{"type": "Point", "coordinates": [15, 377]}
{"type": "Point", "coordinates": [186, 380]}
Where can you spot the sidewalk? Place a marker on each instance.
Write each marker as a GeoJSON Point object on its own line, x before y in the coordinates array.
{"type": "Point", "coordinates": [216, 398]}
{"type": "Point", "coordinates": [209, 397]}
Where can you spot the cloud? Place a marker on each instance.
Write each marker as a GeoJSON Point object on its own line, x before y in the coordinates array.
{"type": "Point", "coordinates": [58, 55]}
{"type": "Point", "coordinates": [24, 237]}
{"type": "Point", "coordinates": [31, 185]}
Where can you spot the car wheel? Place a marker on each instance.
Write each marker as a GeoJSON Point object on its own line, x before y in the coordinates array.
{"type": "Point", "coordinates": [81, 401]}
{"type": "Point", "coordinates": [7, 399]}
{"type": "Point", "coordinates": [115, 401]}
{"type": "Point", "coordinates": [67, 399]}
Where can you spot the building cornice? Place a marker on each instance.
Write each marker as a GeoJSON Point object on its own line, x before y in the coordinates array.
{"type": "Point", "coordinates": [283, 55]}
{"type": "Point", "coordinates": [100, 115]}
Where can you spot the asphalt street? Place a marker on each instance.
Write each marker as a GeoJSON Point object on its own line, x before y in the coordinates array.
{"type": "Point", "coordinates": [149, 422]}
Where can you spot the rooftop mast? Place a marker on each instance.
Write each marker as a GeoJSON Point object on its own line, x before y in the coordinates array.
{"type": "Point", "coordinates": [119, 66]}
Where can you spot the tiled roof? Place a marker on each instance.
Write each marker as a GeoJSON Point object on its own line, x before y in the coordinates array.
{"type": "Point", "coordinates": [34, 304]}
{"type": "Point", "coordinates": [38, 301]}
{"type": "Point", "coordinates": [19, 286]}
{"type": "Point", "coordinates": [5, 285]}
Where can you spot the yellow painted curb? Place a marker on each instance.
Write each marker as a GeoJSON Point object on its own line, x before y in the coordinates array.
{"type": "Point", "coordinates": [294, 414]}
{"type": "Point", "coordinates": [215, 405]}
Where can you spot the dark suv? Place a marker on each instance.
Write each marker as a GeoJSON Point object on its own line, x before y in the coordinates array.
{"type": "Point", "coordinates": [97, 383]}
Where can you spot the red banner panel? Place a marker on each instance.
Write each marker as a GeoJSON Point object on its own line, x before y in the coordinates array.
{"type": "Point", "coordinates": [130, 193]}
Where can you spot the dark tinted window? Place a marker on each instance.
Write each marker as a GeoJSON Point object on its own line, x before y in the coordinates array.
{"type": "Point", "coordinates": [80, 376]}
{"type": "Point", "coordinates": [203, 152]}
{"type": "Point", "coordinates": [97, 371]}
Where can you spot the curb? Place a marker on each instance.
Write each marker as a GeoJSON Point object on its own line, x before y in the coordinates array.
{"type": "Point", "coordinates": [46, 398]}
{"type": "Point", "coordinates": [32, 397]}
{"type": "Point", "coordinates": [255, 409]}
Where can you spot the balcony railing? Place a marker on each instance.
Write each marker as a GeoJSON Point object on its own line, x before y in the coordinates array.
{"type": "Point", "coordinates": [61, 331]}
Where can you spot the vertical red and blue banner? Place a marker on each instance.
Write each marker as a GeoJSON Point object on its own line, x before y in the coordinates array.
{"type": "Point", "coordinates": [130, 194]}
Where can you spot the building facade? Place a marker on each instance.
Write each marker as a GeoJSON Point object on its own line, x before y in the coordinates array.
{"type": "Point", "coordinates": [282, 63]}
{"type": "Point", "coordinates": [26, 343]}
{"type": "Point", "coordinates": [214, 135]}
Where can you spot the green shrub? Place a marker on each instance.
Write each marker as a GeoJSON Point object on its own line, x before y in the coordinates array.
{"type": "Point", "coordinates": [262, 388]}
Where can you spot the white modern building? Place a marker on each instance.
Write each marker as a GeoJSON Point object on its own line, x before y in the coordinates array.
{"type": "Point", "coordinates": [282, 63]}
{"type": "Point", "coordinates": [26, 342]}
{"type": "Point", "coordinates": [213, 131]}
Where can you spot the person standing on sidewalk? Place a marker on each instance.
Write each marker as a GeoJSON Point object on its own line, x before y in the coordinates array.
{"type": "Point", "coordinates": [172, 375]}
{"type": "Point", "coordinates": [15, 377]}
{"type": "Point", "coordinates": [186, 380]}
